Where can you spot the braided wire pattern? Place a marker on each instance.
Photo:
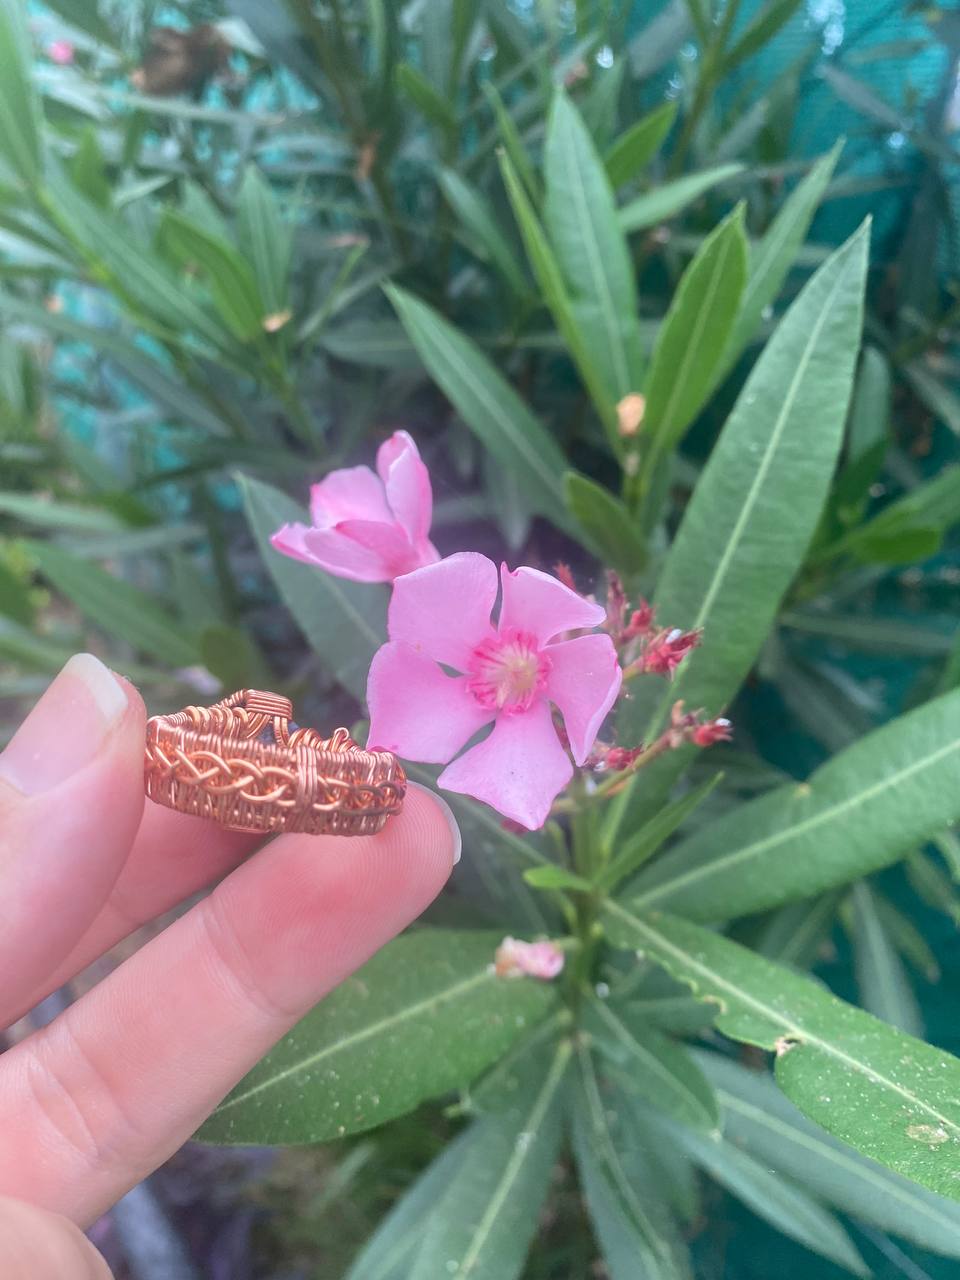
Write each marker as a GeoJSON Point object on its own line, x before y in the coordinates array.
{"type": "Point", "coordinates": [243, 764]}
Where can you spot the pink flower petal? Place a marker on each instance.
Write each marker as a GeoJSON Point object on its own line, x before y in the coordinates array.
{"type": "Point", "coordinates": [416, 710]}
{"type": "Point", "coordinates": [538, 603]}
{"type": "Point", "coordinates": [426, 552]}
{"type": "Point", "coordinates": [387, 541]}
{"type": "Point", "coordinates": [407, 483]}
{"type": "Point", "coordinates": [353, 493]}
{"type": "Point", "coordinates": [331, 551]}
{"type": "Point", "coordinates": [584, 681]}
{"type": "Point", "coordinates": [290, 540]}
{"type": "Point", "coordinates": [444, 609]}
{"type": "Point", "coordinates": [518, 770]}
{"type": "Point", "coordinates": [514, 958]}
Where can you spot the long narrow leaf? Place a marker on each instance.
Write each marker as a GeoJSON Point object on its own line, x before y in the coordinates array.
{"type": "Point", "coordinates": [424, 1016]}
{"type": "Point", "coordinates": [860, 811]}
{"type": "Point", "coordinates": [890, 1096]}
{"type": "Point", "coordinates": [487, 404]}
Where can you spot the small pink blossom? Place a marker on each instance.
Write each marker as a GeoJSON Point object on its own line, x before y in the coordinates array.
{"type": "Point", "coordinates": [370, 528]}
{"type": "Point", "coordinates": [61, 52]}
{"type": "Point", "coordinates": [665, 650]}
{"type": "Point", "coordinates": [508, 676]}
{"type": "Point", "coordinates": [618, 758]}
{"type": "Point", "coordinates": [514, 958]}
{"type": "Point", "coordinates": [705, 735]}
{"type": "Point", "coordinates": [687, 726]}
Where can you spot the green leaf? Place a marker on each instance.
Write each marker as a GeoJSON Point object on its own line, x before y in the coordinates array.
{"type": "Point", "coordinates": [383, 344]}
{"type": "Point", "coordinates": [940, 398]}
{"type": "Point", "coordinates": [651, 1065]}
{"type": "Point", "coordinates": [232, 284]}
{"type": "Point", "coordinates": [693, 336]}
{"type": "Point", "coordinates": [115, 606]}
{"type": "Point", "coordinates": [910, 528]}
{"type": "Point", "coordinates": [388, 1252]}
{"type": "Point", "coordinates": [132, 268]}
{"type": "Point", "coordinates": [581, 220]}
{"type": "Point", "coordinates": [546, 269]}
{"type": "Point", "coordinates": [890, 1096]}
{"type": "Point", "coordinates": [553, 877]}
{"type": "Point", "coordinates": [482, 1224]}
{"type": "Point", "coordinates": [905, 935]}
{"type": "Point", "coordinates": [30, 508]}
{"type": "Point", "coordinates": [15, 602]}
{"type": "Point", "coordinates": [860, 811]}
{"type": "Point", "coordinates": [345, 622]}
{"type": "Point", "coordinates": [644, 842]}
{"type": "Point", "coordinates": [636, 147]}
{"type": "Point", "coordinates": [634, 1227]}
{"type": "Point", "coordinates": [426, 1015]}
{"type": "Point", "coordinates": [512, 144]}
{"type": "Point", "coordinates": [761, 28]}
{"type": "Point", "coordinates": [265, 238]}
{"type": "Point", "coordinates": [758, 1118]}
{"type": "Point", "coordinates": [21, 645]}
{"type": "Point", "coordinates": [774, 255]}
{"type": "Point", "coordinates": [166, 390]}
{"type": "Point", "coordinates": [869, 425]}
{"type": "Point", "coordinates": [759, 498]}
{"type": "Point", "coordinates": [786, 1207]}
{"type": "Point", "coordinates": [20, 119]}
{"type": "Point", "coordinates": [231, 654]}
{"type": "Point", "coordinates": [426, 99]}
{"type": "Point", "coordinates": [882, 982]}
{"type": "Point", "coordinates": [487, 404]}
{"type": "Point", "coordinates": [476, 215]}
{"type": "Point", "coordinates": [670, 198]}
{"type": "Point", "coordinates": [795, 933]}
{"type": "Point", "coordinates": [88, 169]}
{"type": "Point", "coordinates": [607, 526]}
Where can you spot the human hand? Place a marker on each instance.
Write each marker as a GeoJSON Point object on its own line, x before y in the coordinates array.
{"type": "Point", "coordinates": [92, 1103]}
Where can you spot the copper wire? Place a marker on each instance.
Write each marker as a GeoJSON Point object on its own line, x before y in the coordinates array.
{"type": "Point", "coordinates": [243, 764]}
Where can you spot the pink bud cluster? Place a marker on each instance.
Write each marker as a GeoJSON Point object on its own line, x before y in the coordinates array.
{"type": "Point", "coordinates": [661, 649]}
{"type": "Point", "coordinates": [515, 959]}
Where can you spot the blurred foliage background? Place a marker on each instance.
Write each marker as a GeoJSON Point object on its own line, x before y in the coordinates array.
{"type": "Point", "coordinates": [192, 307]}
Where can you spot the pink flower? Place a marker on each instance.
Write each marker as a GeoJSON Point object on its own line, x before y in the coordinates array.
{"type": "Point", "coordinates": [509, 675]}
{"type": "Point", "coordinates": [371, 528]}
{"type": "Point", "coordinates": [61, 52]}
{"type": "Point", "coordinates": [514, 958]}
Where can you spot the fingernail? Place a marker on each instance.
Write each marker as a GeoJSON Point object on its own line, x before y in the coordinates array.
{"type": "Point", "coordinates": [448, 814]}
{"type": "Point", "coordinates": [65, 729]}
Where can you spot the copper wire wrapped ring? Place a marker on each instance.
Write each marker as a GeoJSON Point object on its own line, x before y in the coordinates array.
{"type": "Point", "coordinates": [244, 764]}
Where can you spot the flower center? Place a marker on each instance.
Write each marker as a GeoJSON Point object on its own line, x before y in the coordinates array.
{"type": "Point", "coordinates": [508, 672]}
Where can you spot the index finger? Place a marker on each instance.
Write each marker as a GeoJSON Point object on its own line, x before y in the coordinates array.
{"type": "Point", "coordinates": [110, 1089]}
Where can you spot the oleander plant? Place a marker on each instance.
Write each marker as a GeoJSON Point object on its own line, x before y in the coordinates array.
{"type": "Point", "coordinates": [469, 373]}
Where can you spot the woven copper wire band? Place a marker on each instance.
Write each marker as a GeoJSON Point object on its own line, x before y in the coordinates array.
{"type": "Point", "coordinates": [244, 764]}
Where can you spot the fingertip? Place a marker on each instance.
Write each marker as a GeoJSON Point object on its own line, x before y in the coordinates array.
{"type": "Point", "coordinates": [433, 810]}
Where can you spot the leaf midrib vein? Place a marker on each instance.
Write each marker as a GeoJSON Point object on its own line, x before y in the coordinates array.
{"type": "Point", "coordinates": [679, 382]}
{"type": "Point", "coordinates": [650, 1060]}
{"type": "Point", "coordinates": [608, 309]}
{"type": "Point", "coordinates": [826, 1151]}
{"type": "Point", "coordinates": [357, 1037]}
{"type": "Point", "coordinates": [746, 511]}
{"type": "Point", "coordinates": [790, 1029]}
{"type": "Point", "coordinates": [515, 1163]}
{"type": "Point", "coordinates": [705, 870]}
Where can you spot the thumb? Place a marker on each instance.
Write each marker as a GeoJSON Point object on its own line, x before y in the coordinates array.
{"type": "Point", "coordinates": [37, 1245]}
{"type": "Point", "coordinates": [71, 795]}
